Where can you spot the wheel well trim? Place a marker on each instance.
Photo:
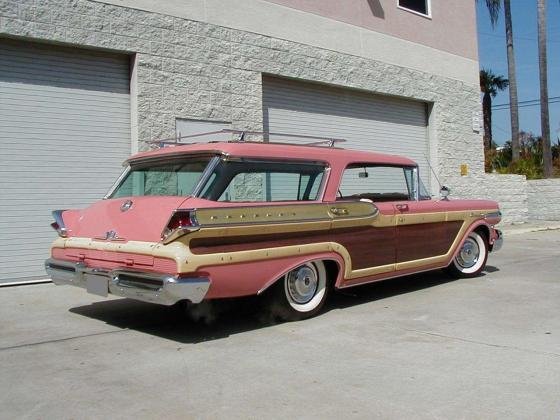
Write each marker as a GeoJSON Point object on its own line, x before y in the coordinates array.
{"type": "Point", "coordinates": [296, 262]}
{"type": "Point", "coordinates": [479, 225]}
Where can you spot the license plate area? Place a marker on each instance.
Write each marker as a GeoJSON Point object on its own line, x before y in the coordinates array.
{"type": "Point", "coordinates": [97, 284]}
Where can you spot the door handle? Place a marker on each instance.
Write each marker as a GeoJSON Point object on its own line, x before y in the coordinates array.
{"type": "Point", "coordinates": [339, 211]}
{"type": "Point", "coordinates": [402, 207]}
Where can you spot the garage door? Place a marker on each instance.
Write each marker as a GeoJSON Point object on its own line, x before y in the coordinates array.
{"type": "Point", "coordinates": [64, 131]}
{"type": "Point", "coordinates": [368, 122]}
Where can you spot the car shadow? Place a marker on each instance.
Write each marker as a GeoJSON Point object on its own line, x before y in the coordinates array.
{"type": "Point", "coordinates": [491, 269]}
{"type": "Point", "coordinates": [221, 318]}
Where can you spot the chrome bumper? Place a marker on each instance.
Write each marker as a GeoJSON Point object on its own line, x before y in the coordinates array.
{"type": "Point", "coordinates": [150, 287]}
{"type": "Point", "coordinates": [499, 241]}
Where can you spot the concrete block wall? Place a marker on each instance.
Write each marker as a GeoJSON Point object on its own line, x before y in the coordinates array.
{"type": "Point", "coordinates": [544, 199]}
{"type": "Point", "coordinates": [510, 191]}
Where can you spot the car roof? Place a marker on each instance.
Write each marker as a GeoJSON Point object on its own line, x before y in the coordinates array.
{"type": "Point", "coordinates": [331, 155]}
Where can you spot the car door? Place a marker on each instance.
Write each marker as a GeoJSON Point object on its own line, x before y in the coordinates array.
{"type": "Point", "coordinates": [372, 247]}
{"type": "Point", "coordinates": [423, 231]}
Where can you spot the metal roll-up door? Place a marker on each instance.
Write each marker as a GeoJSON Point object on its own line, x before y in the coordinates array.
{"type": "Point", "coordinates": [64, 132]}
{"type": "Point", "coordinates": [368, 122]}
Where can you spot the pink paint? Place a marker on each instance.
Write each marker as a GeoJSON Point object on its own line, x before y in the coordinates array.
{"type": "Point", "coordinates": [111, 260]}
{"type": "Point", "coordinates": [252, 277]}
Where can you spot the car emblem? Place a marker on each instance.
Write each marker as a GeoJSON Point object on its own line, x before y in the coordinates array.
{"type": "Point", "coordinates": [126, 205]}
{"type": "Point", "coordinates": [112, 236]}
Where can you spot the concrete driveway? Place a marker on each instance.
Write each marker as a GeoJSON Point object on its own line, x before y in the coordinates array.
{"type": "Point", "coordinates": [417, 347]}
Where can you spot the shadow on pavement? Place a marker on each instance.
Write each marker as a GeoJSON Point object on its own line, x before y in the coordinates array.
{"type": "Point", "coordinates": [222, 318]}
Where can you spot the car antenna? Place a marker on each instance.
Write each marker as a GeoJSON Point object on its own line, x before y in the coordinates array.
{"type": "Point", "coordinates": [444, 190]}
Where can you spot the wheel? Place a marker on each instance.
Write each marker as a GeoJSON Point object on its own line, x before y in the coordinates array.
{"type": "Point", "coordinates": [301, 293]}
{"type": "Point", "coordinates": [471, 258]}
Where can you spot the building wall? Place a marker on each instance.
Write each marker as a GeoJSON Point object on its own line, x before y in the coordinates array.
{"type": "Point", "coordinates": [186, 68]}
{"type": "Point", "coordinates": [301, 26]}
{"type": "Point", "coordinates": [439, 31]}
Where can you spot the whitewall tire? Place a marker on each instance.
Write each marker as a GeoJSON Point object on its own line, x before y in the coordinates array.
{"type": "Point", "coordinates": [471, 257]}
{"type": "Point", "coordinates": [301, 293]}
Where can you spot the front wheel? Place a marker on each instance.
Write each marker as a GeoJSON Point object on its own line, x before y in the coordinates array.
{"type": "Point", "coordinates": [471, 258]}
{"type": "Point", "coordinates": [301, 293]}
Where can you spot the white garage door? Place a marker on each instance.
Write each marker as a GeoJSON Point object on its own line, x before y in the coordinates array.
{"type": "Point", "coordinates": [368, 122]}
{"type": "Point", "coordinates": [64, 132]}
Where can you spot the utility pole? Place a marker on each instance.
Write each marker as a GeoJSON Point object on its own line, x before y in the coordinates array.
{"type": "Point", "coordinates": [543, 75]}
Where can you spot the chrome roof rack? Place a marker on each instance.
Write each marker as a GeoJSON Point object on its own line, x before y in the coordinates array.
{"type": "Point", "coordinates": [321, 141]}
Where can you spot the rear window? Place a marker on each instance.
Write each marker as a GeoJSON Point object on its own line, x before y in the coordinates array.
{"type": "Point", "coordinates": [170, 178]}
{"type": "Point", "coordinates": [250, 181]}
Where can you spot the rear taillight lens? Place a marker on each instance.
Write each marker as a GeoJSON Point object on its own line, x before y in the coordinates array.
{"type": "Point", "coordinates": [180, 223]}
{"type": "Point", "coordinates": [58, 224]}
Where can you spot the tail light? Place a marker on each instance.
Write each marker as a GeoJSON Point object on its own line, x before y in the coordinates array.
{"type": "Point", "coordinates": [180, 223]}
{"type": "Point", "coordinates": [58, 224]}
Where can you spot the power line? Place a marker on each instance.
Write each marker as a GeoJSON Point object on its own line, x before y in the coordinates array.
{"type": "Point", "coordinates": [522, 38]}
{"type": "Point", "coordinates": [523, 104]}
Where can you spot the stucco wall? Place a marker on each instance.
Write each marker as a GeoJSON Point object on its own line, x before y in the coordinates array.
{"type": "Point", "coordinates": [544, 199]}
{"type": "Point", "coordinates": [438, 31]}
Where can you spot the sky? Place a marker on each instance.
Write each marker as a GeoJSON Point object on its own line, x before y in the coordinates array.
{"type": "Point", "coordinates": [492, 55]}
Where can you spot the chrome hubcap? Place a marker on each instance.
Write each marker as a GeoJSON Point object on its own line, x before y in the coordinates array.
{"type": "Point", "coordinates": [302, 284]}
{"type": "Point", "coordinates": [469, 254]}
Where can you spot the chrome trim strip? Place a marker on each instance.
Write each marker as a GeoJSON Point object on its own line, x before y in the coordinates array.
{"type": "Point", "coordinates": [160, 288]}
{"type": "Point", "coordinates": [493, 214]}
{"type": "Point", "coordinates": [206, 174]}
{"type": "Point", "coordinates": [416, 184]}
{"type": "Point", "coordinates": [117, 183]}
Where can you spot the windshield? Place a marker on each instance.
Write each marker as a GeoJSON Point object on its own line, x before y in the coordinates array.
{"type": "Point", "coordinates": [177, 178]}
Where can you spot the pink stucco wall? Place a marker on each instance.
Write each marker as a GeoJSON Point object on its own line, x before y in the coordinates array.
{"type": "Point", "coordinates": [451, 28]}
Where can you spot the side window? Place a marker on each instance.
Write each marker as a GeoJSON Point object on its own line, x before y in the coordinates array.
{"type": "Point", "coordinates": [377, 183]}
{"type": "Point", "coordinates": [251, 181]}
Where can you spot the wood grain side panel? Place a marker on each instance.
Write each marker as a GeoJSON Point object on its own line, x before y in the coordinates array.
{"type": "Point", "coordinates": [426, 240]}
{"type": "Point", "coordinates": [368, 247]}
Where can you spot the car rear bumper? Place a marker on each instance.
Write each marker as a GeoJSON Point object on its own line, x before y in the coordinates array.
{"type": "Point", "coordinates": [164, 289]}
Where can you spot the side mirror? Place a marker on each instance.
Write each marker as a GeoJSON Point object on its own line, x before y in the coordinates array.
{"type": "Point", "coordinates": [444, 192]}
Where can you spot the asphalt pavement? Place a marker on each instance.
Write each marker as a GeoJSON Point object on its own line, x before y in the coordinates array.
{"type": "Point", "coordinates": [423, 346]}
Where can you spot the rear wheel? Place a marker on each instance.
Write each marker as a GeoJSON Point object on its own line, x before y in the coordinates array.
{"type": "Point", "coordinates": [471, 258]}
{"type": "Point", "coordinates": [301, 293]}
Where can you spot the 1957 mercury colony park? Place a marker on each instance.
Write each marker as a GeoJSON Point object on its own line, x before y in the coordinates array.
{"type": "Point", "coordinates": [226, 219]}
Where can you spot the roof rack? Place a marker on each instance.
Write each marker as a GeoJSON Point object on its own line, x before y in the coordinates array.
{"type": "Point", "coordinates": [175, 141]}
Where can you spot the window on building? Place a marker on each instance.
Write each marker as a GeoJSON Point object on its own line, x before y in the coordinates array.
{"type": "Point", "coordinates": [418, 6]}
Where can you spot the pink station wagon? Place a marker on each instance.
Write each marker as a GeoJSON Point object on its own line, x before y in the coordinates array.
{"type": "Point", "coordinates": [290, 222]}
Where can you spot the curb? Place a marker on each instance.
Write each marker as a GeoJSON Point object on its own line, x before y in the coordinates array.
{"type": "Point", "coordinates": [520, 229]}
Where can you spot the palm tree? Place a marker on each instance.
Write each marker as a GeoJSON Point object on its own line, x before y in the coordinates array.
{"type": "Point", "coordinates": [494, 7]}
{"type": "Point", "coordinates": [490, 84]}
{"type": "Point", "coordinates": [545, 124]}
